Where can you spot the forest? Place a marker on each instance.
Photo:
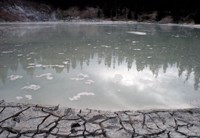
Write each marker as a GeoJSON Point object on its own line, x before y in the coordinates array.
{"type": "Point", "coordinates": [176, 8]}
{"type": "Point", "coordinates": [175, 11]}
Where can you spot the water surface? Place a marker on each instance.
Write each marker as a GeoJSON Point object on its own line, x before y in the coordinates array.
{"type": "Point", "coordinates": [100, 66]}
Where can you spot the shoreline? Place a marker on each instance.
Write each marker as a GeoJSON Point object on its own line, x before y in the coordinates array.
{"type": "Point", "coordinates": [103, 22]}
{"type": "Point", "coordinates": [26, 120]}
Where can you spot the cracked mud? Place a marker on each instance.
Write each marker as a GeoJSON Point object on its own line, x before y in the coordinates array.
{"type": "Point", "coordinates": [23, 120]}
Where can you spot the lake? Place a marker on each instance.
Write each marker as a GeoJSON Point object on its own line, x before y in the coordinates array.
{"type": "Point", "coordinates": [100, 66]}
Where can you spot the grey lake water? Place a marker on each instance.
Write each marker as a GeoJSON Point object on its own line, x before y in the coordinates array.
{"type": "Point", "coordinates": [100, 66]}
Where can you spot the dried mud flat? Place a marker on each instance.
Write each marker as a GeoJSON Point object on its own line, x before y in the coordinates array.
{"type": "Point", "coordinates": [27, 120]}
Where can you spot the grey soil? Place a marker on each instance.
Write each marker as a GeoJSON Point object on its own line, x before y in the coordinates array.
{"type": "Point", "coordinates": [24, 120]}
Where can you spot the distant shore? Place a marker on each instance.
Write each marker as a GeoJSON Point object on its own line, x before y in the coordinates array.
{"type": "Point", "coordinates": [29, 120]}
{"type": "Point", "coordinates": [101, 22]}
{"type": "Point", "coordinates": [114, 10]}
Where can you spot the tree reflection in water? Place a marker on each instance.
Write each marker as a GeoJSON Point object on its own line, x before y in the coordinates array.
{"type": "Point", "coordinates": [79, 45]}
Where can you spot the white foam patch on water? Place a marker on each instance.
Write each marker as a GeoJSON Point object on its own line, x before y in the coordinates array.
{"type": "Point", "coordinates": [77, 79]}
{"type": "Point", "coordinates": [137, 49]}
{"type": "Point", "coordinates": [29, 67]}
{"type": "Point", "coordinates": [177, 36]}
{"type": "Point", "coordinates": [149, 57]}
{"type": "Point", "coordinates": [29, 97]}
{"type": "Point", "coordinates": [137, 33]}
{"type": "Point", "coordinates": [78, 96]}
{"type": "Point", "coordinates": [82, 75]}
{"type": "Point", "coordinates": [18, 45]}
{"type": "Point", "coordinates": [134, 42]}
{"type": "Point", "coordinates": [19, 55]}
{"type": "Point", "coordinates": [106, 46]}
{"type": "Point", "coordinates": [116, 48]}
{"type": "Point", "coordinates": [127, 40]}
{"type": "Point", "coordinates": [89, 82]}
{"type": "Point", "coordinates": [65, 62]}
{"type": "Point", "coordinates": [15, 77]}
{"type": "Point", "coordinates": [47, 75]}
{"type": "Point", "coordinates": [32, 53]}
{"type": "Point", "coordinates": [7, 52]}
{"type": "Point", "coordinates": [33, 65]}
{"type": "Point", "coordinates": [31, 87]}
{"type": "Point", "coordinates": [61, 53]}
{"type": "Point", "coordinates": [117, 78]}
{"type": "Point", "coordinates": [19, 97]}
{"type": "Point", "coordinates": [59, 66]}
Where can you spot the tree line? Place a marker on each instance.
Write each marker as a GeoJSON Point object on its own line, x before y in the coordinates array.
{"type": "Point", "coordinates": [140, 10]}
{"type": "Point", "coordinates": [112, 8]}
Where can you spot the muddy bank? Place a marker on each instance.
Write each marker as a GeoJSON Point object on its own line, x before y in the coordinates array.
{"type": "Point", "coordinates": [142, 11]}
{"type": "Point", "coordinates": [24, 120]}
